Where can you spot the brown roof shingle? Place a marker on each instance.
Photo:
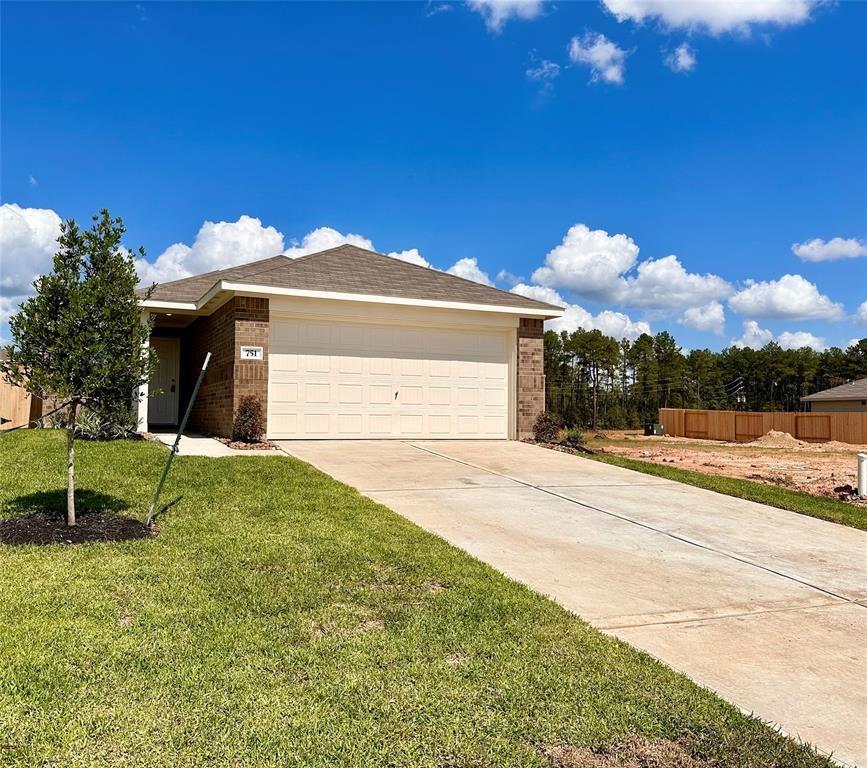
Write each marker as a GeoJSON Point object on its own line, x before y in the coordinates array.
{"type": "Point", "coordinates": [348, 269]}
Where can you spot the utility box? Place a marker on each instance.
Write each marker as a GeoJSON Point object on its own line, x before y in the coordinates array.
{"type": "Point", "coordinates": [652, 428]}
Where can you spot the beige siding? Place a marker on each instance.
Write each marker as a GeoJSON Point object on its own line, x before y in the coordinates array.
{"type": "Point", "coordinates": [838, 406]}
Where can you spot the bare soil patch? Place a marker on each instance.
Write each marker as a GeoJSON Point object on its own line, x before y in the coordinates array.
{"type": "Point", "coordinates": [42, 528]}
{"type": "Point", "coordinates": [777, 458]}
{"type": "Point", "coordinates": [632, 752]}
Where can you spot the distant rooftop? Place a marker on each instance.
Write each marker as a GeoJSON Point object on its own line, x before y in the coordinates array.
{"type": "Point", "coordinates": [854, 390]}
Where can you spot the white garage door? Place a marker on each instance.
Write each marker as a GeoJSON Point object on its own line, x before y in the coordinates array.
{"type": "Point", "coordinates": [339, 379]}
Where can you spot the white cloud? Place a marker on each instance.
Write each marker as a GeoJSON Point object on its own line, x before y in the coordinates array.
{"type": "Point", "coordinates": [589, 262]}
{"type": "Point", "coordinates": [323, 238]}
{"type": "Point", "coordinates": [818, 249]}
{"type": "Point", "coordinates": [614, 324]}
{"type": "Point", "coordinates": [504, 276]}
{"type": "Point", "coordinates": [28, 241]}
{"type": "Point", "coordinates": [753, 336]}
{"type": "Point", "coordinates": [412, 256]}
{"type": "Point", "coordinates": [8, 307]}
{"type": "Point", "coordinates": [594, 264]}
{"type": "Point", "coordinates": [433, 10]}
{"type": "Point", "coordinates": [861, 314]}
{"type": "Point", "coordinates": [681, 59]}
{"type": "Point", "coordinates": [607, 61]}
{"type": "Point", "coordinates": [713, 16]}
{"type": "Point", "coordinates": [545, 70]}
{"type": "Point", "coordinates": [799, 339]}
{"type": "Point", "coordinates": [469, 270]}
{"type": "Point", "coordinates": [710, 317]}
{"type": "Point", "coordinates": [664, 283]}
{"type": "Point", "coordinates": [497, 12]}
{"type": "Point", "coordinates": [218, 245]}
{"type": "Point", "coordinates": [226, 244]}
{"type": "Point", "coordinates": [852, 343]}
{"type": "Point", "coordinates": [792, 297]}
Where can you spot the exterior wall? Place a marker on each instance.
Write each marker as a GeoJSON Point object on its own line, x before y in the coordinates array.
{"type": "Point", "coordinates": [240, 321]}
{"type": "Point", "coordinates": [531, 375]}
{"type": "Point", "coordinates": [838, 406]}
{"type": "Point", "coordinates": [252, 327]}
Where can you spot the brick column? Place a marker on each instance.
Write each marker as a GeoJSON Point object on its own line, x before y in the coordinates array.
{"type": "Point", "coordinates": [241, 321]}
{"type": "Point", "coordinates": [251, 330]}
{"type": "Point", "coordinates": [531, 375]}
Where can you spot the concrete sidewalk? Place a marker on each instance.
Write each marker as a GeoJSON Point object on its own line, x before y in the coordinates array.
{"type": "Point", "coordinates": [192, 444]}
{"type": "Point", "coordinates": [764, 606]}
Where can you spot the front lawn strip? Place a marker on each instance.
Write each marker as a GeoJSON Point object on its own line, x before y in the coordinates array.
{"type": "Point", "coordinates": [282, 618]}
{"type": "Point", "coordinates": [804, 503]}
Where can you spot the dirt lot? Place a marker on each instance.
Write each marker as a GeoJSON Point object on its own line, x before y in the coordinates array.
{"type": "Point", "coordinates": [775, 459]}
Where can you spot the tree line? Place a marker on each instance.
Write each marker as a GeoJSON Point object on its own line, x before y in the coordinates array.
{"type": "Point", "coordinates": [594, 380]}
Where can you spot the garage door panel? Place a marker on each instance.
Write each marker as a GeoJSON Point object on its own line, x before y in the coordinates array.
{"type": "Point", "coordinates": [380, 424]}
{"type": "Point", "coordinates": [317, 393]}
{"type": "Point", "coordinates": [349, 394]}
{"type": "Point", "coordinates": [411, 394]}
{"type": "Point", "coordinates": [347, 364]}
{"type": "Point", "coordinates": [381, 366]}
{"type": "Point", "coordinates": [317, 363]}
{"type": "Point", "coordinates": [380, 394]}
{"type": "Point", "coordinates": [411, 424]}
{"type": "Point", "coordinates": [284, 392]}
{"type": "Point", "coordinates": [366, 380]}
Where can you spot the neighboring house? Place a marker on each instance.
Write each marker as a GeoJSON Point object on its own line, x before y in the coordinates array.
{"type": "Point", "coordinates": [847, 397]}
{"type": "Point", "coordinates": [348, 343]}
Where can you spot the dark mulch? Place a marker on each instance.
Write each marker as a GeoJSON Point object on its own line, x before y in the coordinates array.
{"type": "Point", "coordinates": [43, 528]}
{"type": "Point", "coordinates": [240, 445]}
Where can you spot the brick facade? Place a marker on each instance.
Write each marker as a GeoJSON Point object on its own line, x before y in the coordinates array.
{"type": "Point", "coordinates": [242, 321]}
{"type": "Point", "coordinates": [531, 375]}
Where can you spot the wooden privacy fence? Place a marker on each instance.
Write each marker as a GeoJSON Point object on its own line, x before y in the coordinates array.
{"type": "Point", "coordinates": [17, 407]}
{"type": "Point", "coordinates": [743, 426]}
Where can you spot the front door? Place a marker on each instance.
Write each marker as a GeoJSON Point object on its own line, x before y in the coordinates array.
{"type": "Point", "coordinates": [163, 407]}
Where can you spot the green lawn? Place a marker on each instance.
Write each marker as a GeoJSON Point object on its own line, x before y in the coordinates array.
{"type": "Point", "coordinates": [280, 618]}
{"type": "Point", "coordinates": [806, 504]}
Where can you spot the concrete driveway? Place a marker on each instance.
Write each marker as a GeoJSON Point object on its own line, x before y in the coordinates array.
{"type": "Point", "coordinates": [766, 607]}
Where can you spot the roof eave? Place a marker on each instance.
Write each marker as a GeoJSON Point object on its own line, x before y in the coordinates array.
{"type": "Point", "coordinates": [223, 287]}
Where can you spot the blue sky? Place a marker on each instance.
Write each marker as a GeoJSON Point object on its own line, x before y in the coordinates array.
{"type": "Point", "coordinates": [451, 132]}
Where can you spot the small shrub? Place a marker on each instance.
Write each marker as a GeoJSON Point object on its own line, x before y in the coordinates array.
{"type": "Point", "coordinates": [572, 437]}
{"type": "Point", "coordinates": [249, 423]}
{"type": "Point", "coordinates": [547, 427]}
{"type": "Point", "coordinates": [92, 424]}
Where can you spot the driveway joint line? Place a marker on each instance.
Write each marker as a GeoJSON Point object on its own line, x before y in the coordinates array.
{"type": "Point", "coordinates": [833, 603]}
{"type": "Point", "coordinates": [647, 526]}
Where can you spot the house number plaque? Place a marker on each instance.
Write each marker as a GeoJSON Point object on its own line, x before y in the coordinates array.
{"type": "Point", "coordinates": [252, 353]}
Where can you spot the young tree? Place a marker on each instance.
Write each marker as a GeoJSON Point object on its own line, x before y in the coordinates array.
{"type": "Point", "coordinates": [80, 339]}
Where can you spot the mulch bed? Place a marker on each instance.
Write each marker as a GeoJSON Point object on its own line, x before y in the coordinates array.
{"type": "Point", "coordinates": [240, 445]}
{"type": "Point", "coordinates": [42, 528]}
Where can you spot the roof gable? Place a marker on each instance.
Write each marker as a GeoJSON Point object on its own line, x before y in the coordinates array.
{"type": "Point", "coordinates": [347, 269]}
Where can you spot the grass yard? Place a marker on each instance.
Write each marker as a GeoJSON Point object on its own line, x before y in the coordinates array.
{"type": "Point", "coordinates": [804, 503]}
{"type": "Point", "coordinates": [281, 618]}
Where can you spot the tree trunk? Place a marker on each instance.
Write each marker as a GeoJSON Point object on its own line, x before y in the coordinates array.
{"type": "Point", "coordinates": [70, 464]}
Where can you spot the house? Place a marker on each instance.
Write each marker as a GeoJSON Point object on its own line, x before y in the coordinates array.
{"type": "Point", "coordinates": [847, 397]}
{"type": "Point", "coordinates": [347, 343]}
